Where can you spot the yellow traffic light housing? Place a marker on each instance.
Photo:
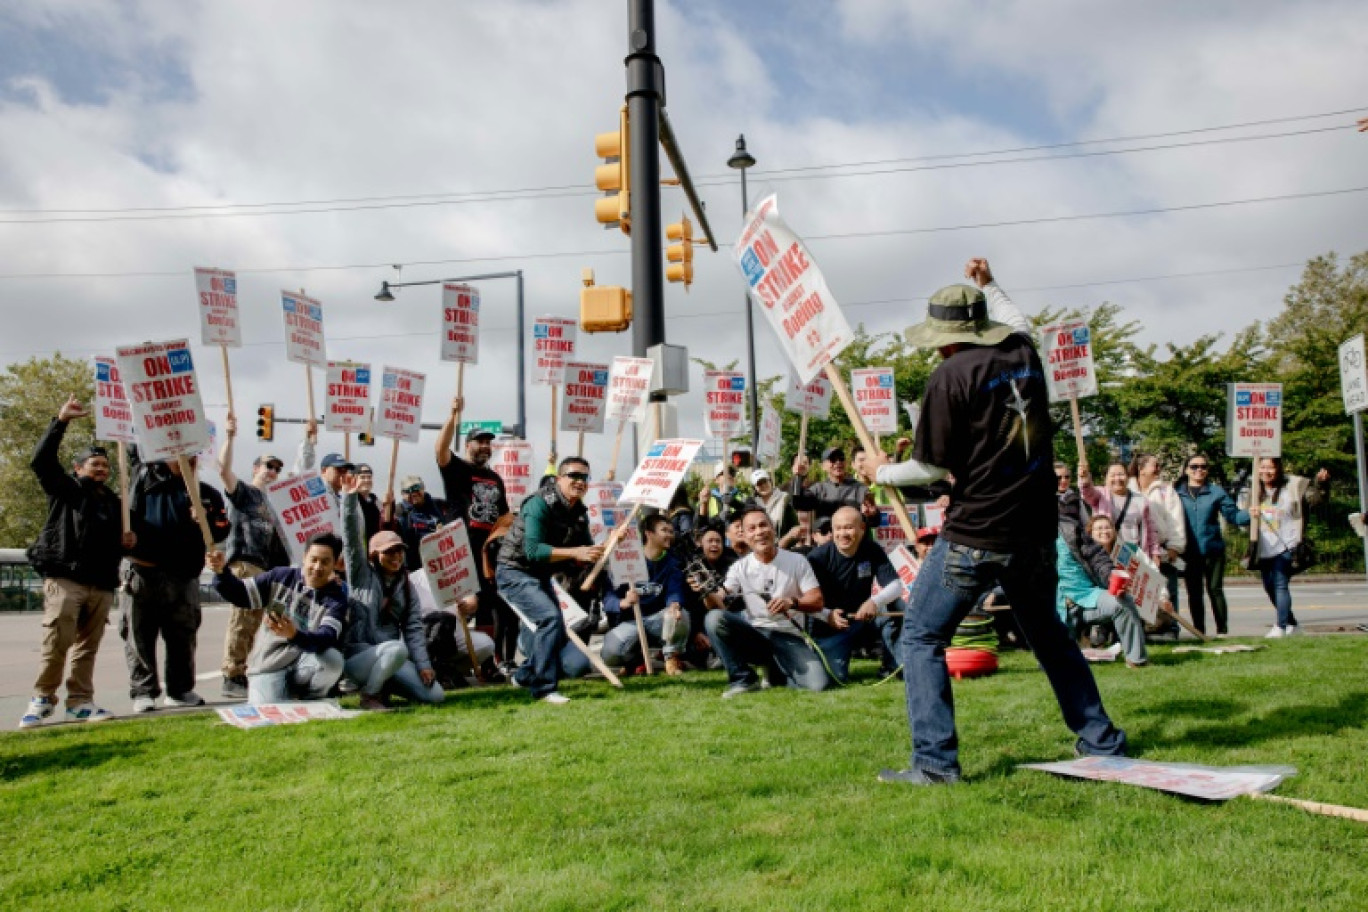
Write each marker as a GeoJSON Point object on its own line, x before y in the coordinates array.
{"type": "Point", "coordinates": [680, 254]}
{"type": "Point", "coordinates": [614, 177]}
{"type": "Point", "coordinates": [604, 308]}
{"type": "Point", "coordinates": [266, 422]}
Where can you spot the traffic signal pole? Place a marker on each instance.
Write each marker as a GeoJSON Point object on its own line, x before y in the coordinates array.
{"type": "Point", "coordinates": [645, 97]}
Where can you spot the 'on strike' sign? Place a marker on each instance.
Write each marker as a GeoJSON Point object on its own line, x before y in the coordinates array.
{"type": "Point", "coordinates": [812, 399]}
{"type": "Point", "coordinates": [460, 324]}
{"type": "Point", "coordinates": [1068, 353]}
{"type": "Point", "coordinates": [655, 479]}
{"type": "Point", "coordinates": [303, 329]}
{"type": "Point", "coordinates": [553, 344]}
{"type": "Point", "coordinates": [348, 400]}
{"type": "Point", "coordinates": [304, 506]}
{"type": "Point", "coordinates": [724, 395]}
{"type": "Point", "coordinates": [113, 416]}
{"type": "Point", "coordinates": [400, 416]}
{"type": "Point", "coordinates": [586, 386]}
{"type": "Point", "coordinates": [1254, 420]}
{"type": "Point", "coordinates": [449, 564]}
{"type": "Point", "coordinates": [629, 388]}
{"type": "Point", "coordinates": [876, 398]}
{"type": "Point", "coordinates": [217, 291]}
{"type": "Point", "coordinates": [168, 416]}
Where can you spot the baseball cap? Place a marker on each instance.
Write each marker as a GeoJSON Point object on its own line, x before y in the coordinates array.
{"type": "Point", "coordinates": [411, 481]}
{"type": "Point", "coordinates": [720, 468]}
{"type": "Point", "coordinates": [267, 459]}
{"type": "Point", "coordinates": [334, 461]}
{"type": "Point", "coordinates": [480, 434]}
{"type": "Point", "coordinates": [833, 454]}
{"type": "Point", "coordinates": [760, 475]}
{"type": "Point", "coordinates": [90, 452]}
{"type": "Point", "coordinates": [362, 468]}
{"type": "Point", "coordinates": [383, 541]}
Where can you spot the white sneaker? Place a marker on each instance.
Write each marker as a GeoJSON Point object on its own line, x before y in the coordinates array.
{"type": "Point", "coordinates": [1291, 630]}
{"type": "Point", "coordinates": [555, 698]}
{"type": "Point", "coordinates": [190, 698]}
{"type": "Point", "coordinates": [1274, 633]}
{"type": "Point", "coordinates": [88, 712]}
{"type": "Point", "coordinates": [39, 708]}
{"type": "Point", "coordinates": [144, 704]}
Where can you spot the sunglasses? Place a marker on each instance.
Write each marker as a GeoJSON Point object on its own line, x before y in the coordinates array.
{"type": "Point", "coordinates": [1198, 466]}
{"type": "Point", "coordinates": [577, 476]}
{"type": "Point", "coordinates": [415, 489]}
{"type": "Point", "coordinates": [275, 466]}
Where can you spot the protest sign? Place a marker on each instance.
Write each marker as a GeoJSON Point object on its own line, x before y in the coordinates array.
{"type": "Point", "coordinates": [168, 416]}
{"type": "Point", "coordinates": [629, 384]}
{"type": "Point", "coordinates": [265, 715]}
{"type": "Point", "coordinates": [208, 457]}
{"type": "Point", "coordinates": [303, 329]}
{"type": "Point", "coordinates": [347, 404]}
{"type": "Point", "coordinates": [724, 399]}
{"type": "Point", "coordinates": [660, 472]}
{"type": "Point", "coordinates": [449, 564]}
{"type": "Point", "coordinates": [811, 399]}
{"type": "Point", "coordinates": [460, 323]}
{"type": "Point", "coordinates": [400, 416]}
{"type": "Point", "coordinates": [771, 436]}
{"type": "Point", "coordinates": [1353, 375]}
{"type": "Point", "coordinates": [1147, 587]}
{"type": "Point", "coordinates": [876, 398]}
{"type": "Point", "coordinates": [907, 565]}
{"type": "Point", "coordinates": [1208, 783]}
{"type": "Point", "coordinates": [586, 389]}
{"type": "Point", "coordinates": [553, 344]}
{"type": "Point", "coordinates": [888, 533]}
{"type": "Point", "coordinates": [113, 414]}
{"type": "Point", "coordinates": [304, 506]}
{"type": "Point", "coordinates": [511, 460]}
{"type": "Point", "coordinates": [933, 516]}
{"type": "Point", "coordinates": [1254, 420]}
{"type": "Point", "coordinates": [217, 290]}
{"type": "Point", "coordinates": [600, 496]}
{"type": "Point", "coordinates": [627, 561]}
{"type": "Point", "coordinates": [1066, 349]}
{"type": "Point", "coordinates": [790, 290]}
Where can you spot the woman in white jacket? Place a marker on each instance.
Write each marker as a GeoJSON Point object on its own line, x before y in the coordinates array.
{"type": "Point", "coordinates": [1282, 523]}
{"type": "Point", "coordinates": [1166, 510]}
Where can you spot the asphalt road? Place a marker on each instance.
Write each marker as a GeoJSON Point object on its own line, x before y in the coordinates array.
{"type": "Point", "coordinates": [1322, 607]}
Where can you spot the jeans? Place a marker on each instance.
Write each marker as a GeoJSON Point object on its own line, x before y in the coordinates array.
{"type": "Point", "coordinates": [1276, 573]}
{"type": "Point", "coordinates": [837, 645]}
{"type": "Point", "coordinates": [1125, 619]}
{"type": "Point", "coordinates": [550, 654]}
{"type": "Point", "coordinates": [408, 683]}
{"type": "Point", "coordinates": [372, 667]}
{"type": "Point", "coordinates": [1206, 571]}
{"type": "Point", "coordinates": [740, 644]}
{"type": "Point", "coordinates": [950, 582]}
{"type": "Point", "coordinates": [156, 604]}
{"type": "Point", "coordinates": [309, 678]}
{"type": "Point", "coordinates": [622, 646]}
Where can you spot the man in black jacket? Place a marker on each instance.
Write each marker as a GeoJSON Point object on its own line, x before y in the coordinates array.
{"type": "Point", "coordinates": [161, 583]}
{"type": "Point", "coordinates": [77, 552]}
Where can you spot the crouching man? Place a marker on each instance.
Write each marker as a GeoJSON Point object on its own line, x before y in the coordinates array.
{"type": "Point", "coordinates": [660, 600]}
{"type": "Point", "coordinates": [761, 612]}
{"type": "Point", "coordinates": [295, 655]}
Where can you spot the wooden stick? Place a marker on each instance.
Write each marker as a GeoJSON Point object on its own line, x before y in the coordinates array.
{"type": "Point", "coordinates": [839, 385]}
{"type": "Point", "coordinates": [192, 488]}
{"type": "Point", "coordinates": [608, 545]}
{"type": "Point", "coordinates": [1185, 625]}
{"type": "Point", "coordinates": [1078, 430]}
{"type": "Point", "coordinates": [641, 637]}
{"type": "Point", "coordinates": [579, 644]}
{"type": "Point", "coordinates": [579, 445]}
{"type": "Point", "coordinates": [802, 434]}
{"type": "Point", "coordinates": [617, 446]}
{"type": "Point", "coordinates": [1315, 807]}
{"type": "Point", "coordinates": [394, 464]}
{"type": "Point", "coordinates": [228, 379]}
{"type": "Point", "coordinates": [1255, 515]}
{"type": "Point", "coordinates": [470, 646]}
{"type": "Point", "coordinates": [308, 380]}
{"type": "Point", "coordinates": [346, 446]}
{"type": "Point", "coordinates": [123, 488]}
{"type": "Point", "coordinates": [553, 423]}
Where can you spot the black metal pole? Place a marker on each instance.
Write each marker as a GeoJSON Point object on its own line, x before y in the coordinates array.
{"type": "Point", "coordinates": [522, 355]}
{"type": "Point", "coordinates": [753, 392]}
{"type": "Point", "coordinates": [644, 90]}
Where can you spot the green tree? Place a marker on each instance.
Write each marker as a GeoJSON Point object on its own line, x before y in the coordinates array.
{"type": "Point", "coordinates": [30, 395]}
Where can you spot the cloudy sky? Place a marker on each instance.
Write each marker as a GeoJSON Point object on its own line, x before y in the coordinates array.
{"type": "Point", "coordinates": [375, 123]}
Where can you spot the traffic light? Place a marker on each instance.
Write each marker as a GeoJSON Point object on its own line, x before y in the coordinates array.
{"type": "Point", "coordinates": [680, 255]}
{"type": "Point", "coordinates": [614, 176]}
{"type": "Point", "coordinates": [741, 459]}
{"type": "Point", "coordinates": [604, 308]}
{"type": "Point", "coordinates": [366, 438]}
{"type": "Point", "coordinates": [266, 422]}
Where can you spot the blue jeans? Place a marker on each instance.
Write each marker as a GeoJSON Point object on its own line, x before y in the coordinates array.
{"type": "Point", "coordinates": [1276, 573]}
{"type": "Point", "coordinates": [388, 663]}
{"type": "Point", "coordinates": [837, 645]}
{"type": "Point", "coordinates": [550, 655]}
{"type": "Point", "coordinates": [309, 678]}
{"type": "Point", "coordinates": [740, 644]}
{"type": "Point", "coordinates": [622, 646]}
{"type": "Point", "coordinates": [1125, 619]}
{"type": "Point", "coordinates": [950, 582]}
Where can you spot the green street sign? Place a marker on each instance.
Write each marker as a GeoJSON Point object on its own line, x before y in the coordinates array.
{"type": "Point", "coordinates": [493, 427]}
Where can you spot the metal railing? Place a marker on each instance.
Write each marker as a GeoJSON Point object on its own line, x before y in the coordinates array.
{"type": "Point", "coordinates": [21, 589]}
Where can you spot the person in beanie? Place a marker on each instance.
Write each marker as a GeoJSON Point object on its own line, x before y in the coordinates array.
{"type": "Point", "coordinates": [77, 553]}
{"type": "Point", "coordinates": [985, 420]}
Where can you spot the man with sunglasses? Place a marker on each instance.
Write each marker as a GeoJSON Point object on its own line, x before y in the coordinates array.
{"type": "Point", "coordinates": [420, 514]}
{"type": "Point", "coordinates": [1204, 556]}
{"type": "Point", "coordinates": [254, 546]}
{"type": "Point", "coordinates": [77, 552]}
{"type": "Point", "coordinates": [826, 497]}
{"type": "Point", "coordinates": [550, 534]}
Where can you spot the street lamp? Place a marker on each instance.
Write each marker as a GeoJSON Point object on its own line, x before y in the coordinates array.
{"type": "Point", "coordinates": [741, 160]}
{"type": "Point", "coordinates": [386, 294]}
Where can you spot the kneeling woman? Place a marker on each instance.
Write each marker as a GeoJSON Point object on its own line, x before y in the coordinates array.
{"type": "Point", "coordinates": [1085, 566]}
{"type": "Point", "coordinates": [385, 642]}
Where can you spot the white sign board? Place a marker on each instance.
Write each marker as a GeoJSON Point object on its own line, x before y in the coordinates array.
{"type": "Point", "coordinates": [933, 516]}
{"type": "Point", "coordinates": [907, 567]}
{"type": "Point", "coordinates": [1254, 420]}
{"type": "Point", "coordinates": [627, 563]}
{"type": "Point", "coordinates": [304, 506]}
{"type": "Point", "coordinates": [217, 290]}
{"type": "Point", "coordinates": [168, 416]}
{"type": "Point", "coordinates": [629, 388]}
{"type": "Point", "coordinates": [586, 391]}
{"type": "Point", "coordinates": [724, 403]}
{"type": "Point", "coordinates": [400, 416]}
{"type": "Point", "coordinates": [876, 398]}
{"type": "Point", "coordinates": [267, 715]}
{"type": "Point", "coordinates": [303, 329]}
{"type": "Point", "coordinates": [889, 533]}
{"type": "Point", "coordinates": [460, 323]}
{"type": "Point", "coordinates": [1067, 351]}
{"type": "Point", "coordinates": [449, 565]}
{"type": "Point", "coordinates": [771, 436]}
{"type": "Point", "coordinates": [790, 290]}
{"type": "Point", "coordinates": [660, 472]}
{"type": "Point", "coordinates": [1147, 587]}
{"type": "Point", "coordinates": [511, 460]}
{"type": "Point", "coordinates": [1209, 783]}
{"type": "Point", "coordinates": [571, 612]}
{"type": "Point", "coordinates": [812, 399]}
{"type": "Point", "coordinates": [1353, 375]}
{"type": "Point", "coordinates": [553, 344]}
{"type": "Point", "coordinates": [113, 414]}
{"type": "Point", "coordinates": [347, 404]}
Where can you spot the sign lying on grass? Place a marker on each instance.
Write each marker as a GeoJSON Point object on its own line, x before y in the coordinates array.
{"type": "Point", "coordinates": [266, 714]}
{"type": "Point", "coordinates": [1209, 783]}
{"type": "Point", "coordinates": [449, 565]}
{"type": "Point", "coordinates": [1254, 420]}
{"type": "Point", "coordinates": [1067, 351]}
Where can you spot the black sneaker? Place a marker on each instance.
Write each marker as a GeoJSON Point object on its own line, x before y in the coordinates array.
{"type": "Point", "coordinates": [235, 688]}
{"type": "Point", "coordinates": [917, 777]}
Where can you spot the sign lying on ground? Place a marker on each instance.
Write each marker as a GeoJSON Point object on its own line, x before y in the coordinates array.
{"type": "Point", "coordinates": [1209, 783]}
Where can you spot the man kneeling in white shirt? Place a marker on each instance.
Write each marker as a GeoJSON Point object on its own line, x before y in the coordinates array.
{"type": "Point", "coordinates": [758, 615]}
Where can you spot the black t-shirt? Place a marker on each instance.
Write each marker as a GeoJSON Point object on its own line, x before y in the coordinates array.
{"type": "Point", "coordinates": [475, 494]}
{"type": "Point", "coordinates": [847, 581]}
{"type": "Point", "coordinates": [986, 418]}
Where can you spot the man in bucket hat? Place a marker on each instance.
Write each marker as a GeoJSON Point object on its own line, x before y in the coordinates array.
{"type": "Point", "coordinates": [985, 421]}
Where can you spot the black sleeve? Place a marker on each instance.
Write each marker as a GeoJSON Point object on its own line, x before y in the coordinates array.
{"type": "Point", "coordinates": [215, 514]}
{"type": "Point", "coordinates": [48, 467]}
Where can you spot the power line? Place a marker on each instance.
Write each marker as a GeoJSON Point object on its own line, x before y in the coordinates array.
{"type": "Point", "coordinates": [401, 201]}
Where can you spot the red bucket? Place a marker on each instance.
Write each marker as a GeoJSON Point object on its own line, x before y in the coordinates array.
{"type": "Point", "coordinates": [970, 663]}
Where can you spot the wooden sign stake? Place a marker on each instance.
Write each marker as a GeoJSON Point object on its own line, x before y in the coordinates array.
{"type": "Point", "coordinates": [123, 487]}
{"type": "Point", "coordinates": [641, 637]}
{"type": "Point", "coordinates": [617, 446]}
{"type": "Point", "coordinates": [228, 379]}
{"type": "Point", "coordinates": [192, 488]}
{"type": "Point", "coordinates": [394, 464]}
{"type": "Point", "coordinates": [1078, 431]}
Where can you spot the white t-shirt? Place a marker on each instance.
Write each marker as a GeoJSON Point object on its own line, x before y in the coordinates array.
{"type": "Point", "coordinates": [789, 575]}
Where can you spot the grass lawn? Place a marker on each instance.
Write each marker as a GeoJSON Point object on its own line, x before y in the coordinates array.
{"type": "Point", "coordinates": [665, 797]}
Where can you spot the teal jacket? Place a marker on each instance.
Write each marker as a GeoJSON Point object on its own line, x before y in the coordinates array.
{"type": "Point", "coordinates": [1203, 528]}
